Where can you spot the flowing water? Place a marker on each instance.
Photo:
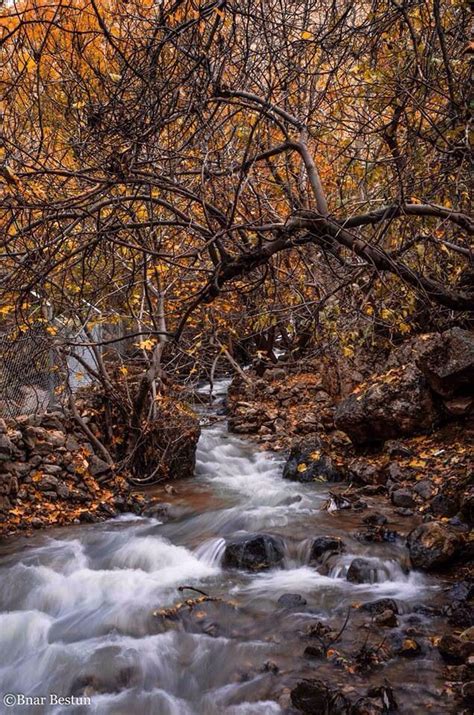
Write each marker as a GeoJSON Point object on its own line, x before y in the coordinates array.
{"type": "Point", "coordinates": [81, 606]}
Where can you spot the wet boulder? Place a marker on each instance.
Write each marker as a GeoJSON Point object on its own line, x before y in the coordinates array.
{"type": "Point", "coordinates": [380, 606]}
{"type": "Point", "coordinates": [461, 591]}
{"type": "Point", "coordinates": [409, 648]}
{"type": "Point", "coordinates": [314, 651]}
{"type": "Point", "coordinates": [447, 362]}
{"type": "Point", "coordinates": [403, 498]}
{"type": "Point", "coordinates": [444, 505]}
{"type": "Point", "coordinates": [314, 696]}
{"type": "Point", "coordinates": [109, 671]}
{"type": "Point", "coordinates": [433, 545]}
{"type": "Point", "coordinates": [425, 489]}
{"type": "Point", "coordinates": [391, 405]}
{"type": "Point", "coordinates": [363, 472]}
{"type": "Point", "coordinates": [310, 463]}
{"type": "Point", "coordinates": [386, 619]}
{"type": "Point", "coordinates": [254, 552]}
{"type": "Point", "coordinates": [461, 615]}
{"type": "Point", "coordinates": [455, 650]}
{"type": "Point", "coordinates": [323, 545]}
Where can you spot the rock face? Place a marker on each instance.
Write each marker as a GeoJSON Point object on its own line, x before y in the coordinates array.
{"type": "Point", "coordinates": [396, 403]}
{"type": "Point", "coordinates": [325, 545]}
{"type": "Point", "coordinates": [433, 546]}
{"type": "Point", "coordinates": [314, 696]}
{"type": "Point", "coordinates": [309, 463]}
{"type": "Point", "coordinates": [447, 362]}
{"type": "Point", "coordinates": [256, 552]}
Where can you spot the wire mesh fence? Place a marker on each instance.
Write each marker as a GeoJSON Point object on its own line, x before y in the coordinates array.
{"type": "Point", "coordinates": [28, 372]}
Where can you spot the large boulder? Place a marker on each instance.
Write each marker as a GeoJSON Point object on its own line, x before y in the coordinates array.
{"type": "Point", "coordinates": [447, 362]}
{"type": "Point", "coordinates": [323, 545]}
{"type": "Point", "coordinates": [254, 552]}
{"type": "Point", "coordinates": [309, 463]}
{"type": "Point", "coordinates": [433, 546]}
{"type": "Point", "coordinates": [314, 696]}
{"type": "Point", "coordinates": [396, 403]}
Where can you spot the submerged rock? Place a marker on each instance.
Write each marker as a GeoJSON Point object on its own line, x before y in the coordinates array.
{"type": "Point", "coordinates": [375, 519]}
{"type": "Point", "coordinates": [361, 571]}
{"type": "Point", "coordinates": [314, 696]}
{"type": "Point", "coordinates": [309, 463]}
{"type": "Point", "coordinates": [292, 600]}
{"type": "Point", "coordinates": [433, 546]}
{"type": "Point", "coordinates": [396, 403]}
{"type": "Point", "coordinates": [409, 648]}
{"type": "Point", "coordinates": [255, 552]}
{"type": "Point", "coordinates": [325, 544]}
{"type": "Point", "coordinates": [314, 651]}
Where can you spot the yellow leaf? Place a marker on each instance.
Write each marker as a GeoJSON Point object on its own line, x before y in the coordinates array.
{"type": "Point", "coordinates": [146, 344]}
{"type": "Point", "coordinates": [417, 463]}
{"type": "Point", "coordinates": [115, 77]}
{"type": "Point", "coordinates": [348, 351]}
{"type": "Point", "coordinates": [302, 467]}
{"type": "Point", "coordinates": [306, 35]}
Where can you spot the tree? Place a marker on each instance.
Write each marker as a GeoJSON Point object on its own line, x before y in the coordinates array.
{"type": "Point", "coordinates": [265, 159]}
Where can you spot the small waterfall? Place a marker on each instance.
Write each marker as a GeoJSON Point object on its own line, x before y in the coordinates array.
{"type": "Point", "coordinates": [211, 552]}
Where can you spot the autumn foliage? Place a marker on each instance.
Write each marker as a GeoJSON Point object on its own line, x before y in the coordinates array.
{"type": "Point", "coordinates": [221, 176]}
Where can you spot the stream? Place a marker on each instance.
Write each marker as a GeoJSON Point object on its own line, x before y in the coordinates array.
{"type": "Point", "coordinates": [80, 606]}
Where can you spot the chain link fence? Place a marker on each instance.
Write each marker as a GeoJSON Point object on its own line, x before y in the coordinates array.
{"type": "Point", "coordinates": [28, 373]}
{"type": "Point", "coordinates": [32, 373]}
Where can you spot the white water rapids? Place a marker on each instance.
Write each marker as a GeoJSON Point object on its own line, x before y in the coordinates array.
{"type": "Point", "coordinates": [77, 604]}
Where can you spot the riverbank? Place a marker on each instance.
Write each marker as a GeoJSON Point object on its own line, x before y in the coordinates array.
{"type": "Point", "coordinates": [50, 476]}
{"type": "Point", "coordinates": [411, 488]}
